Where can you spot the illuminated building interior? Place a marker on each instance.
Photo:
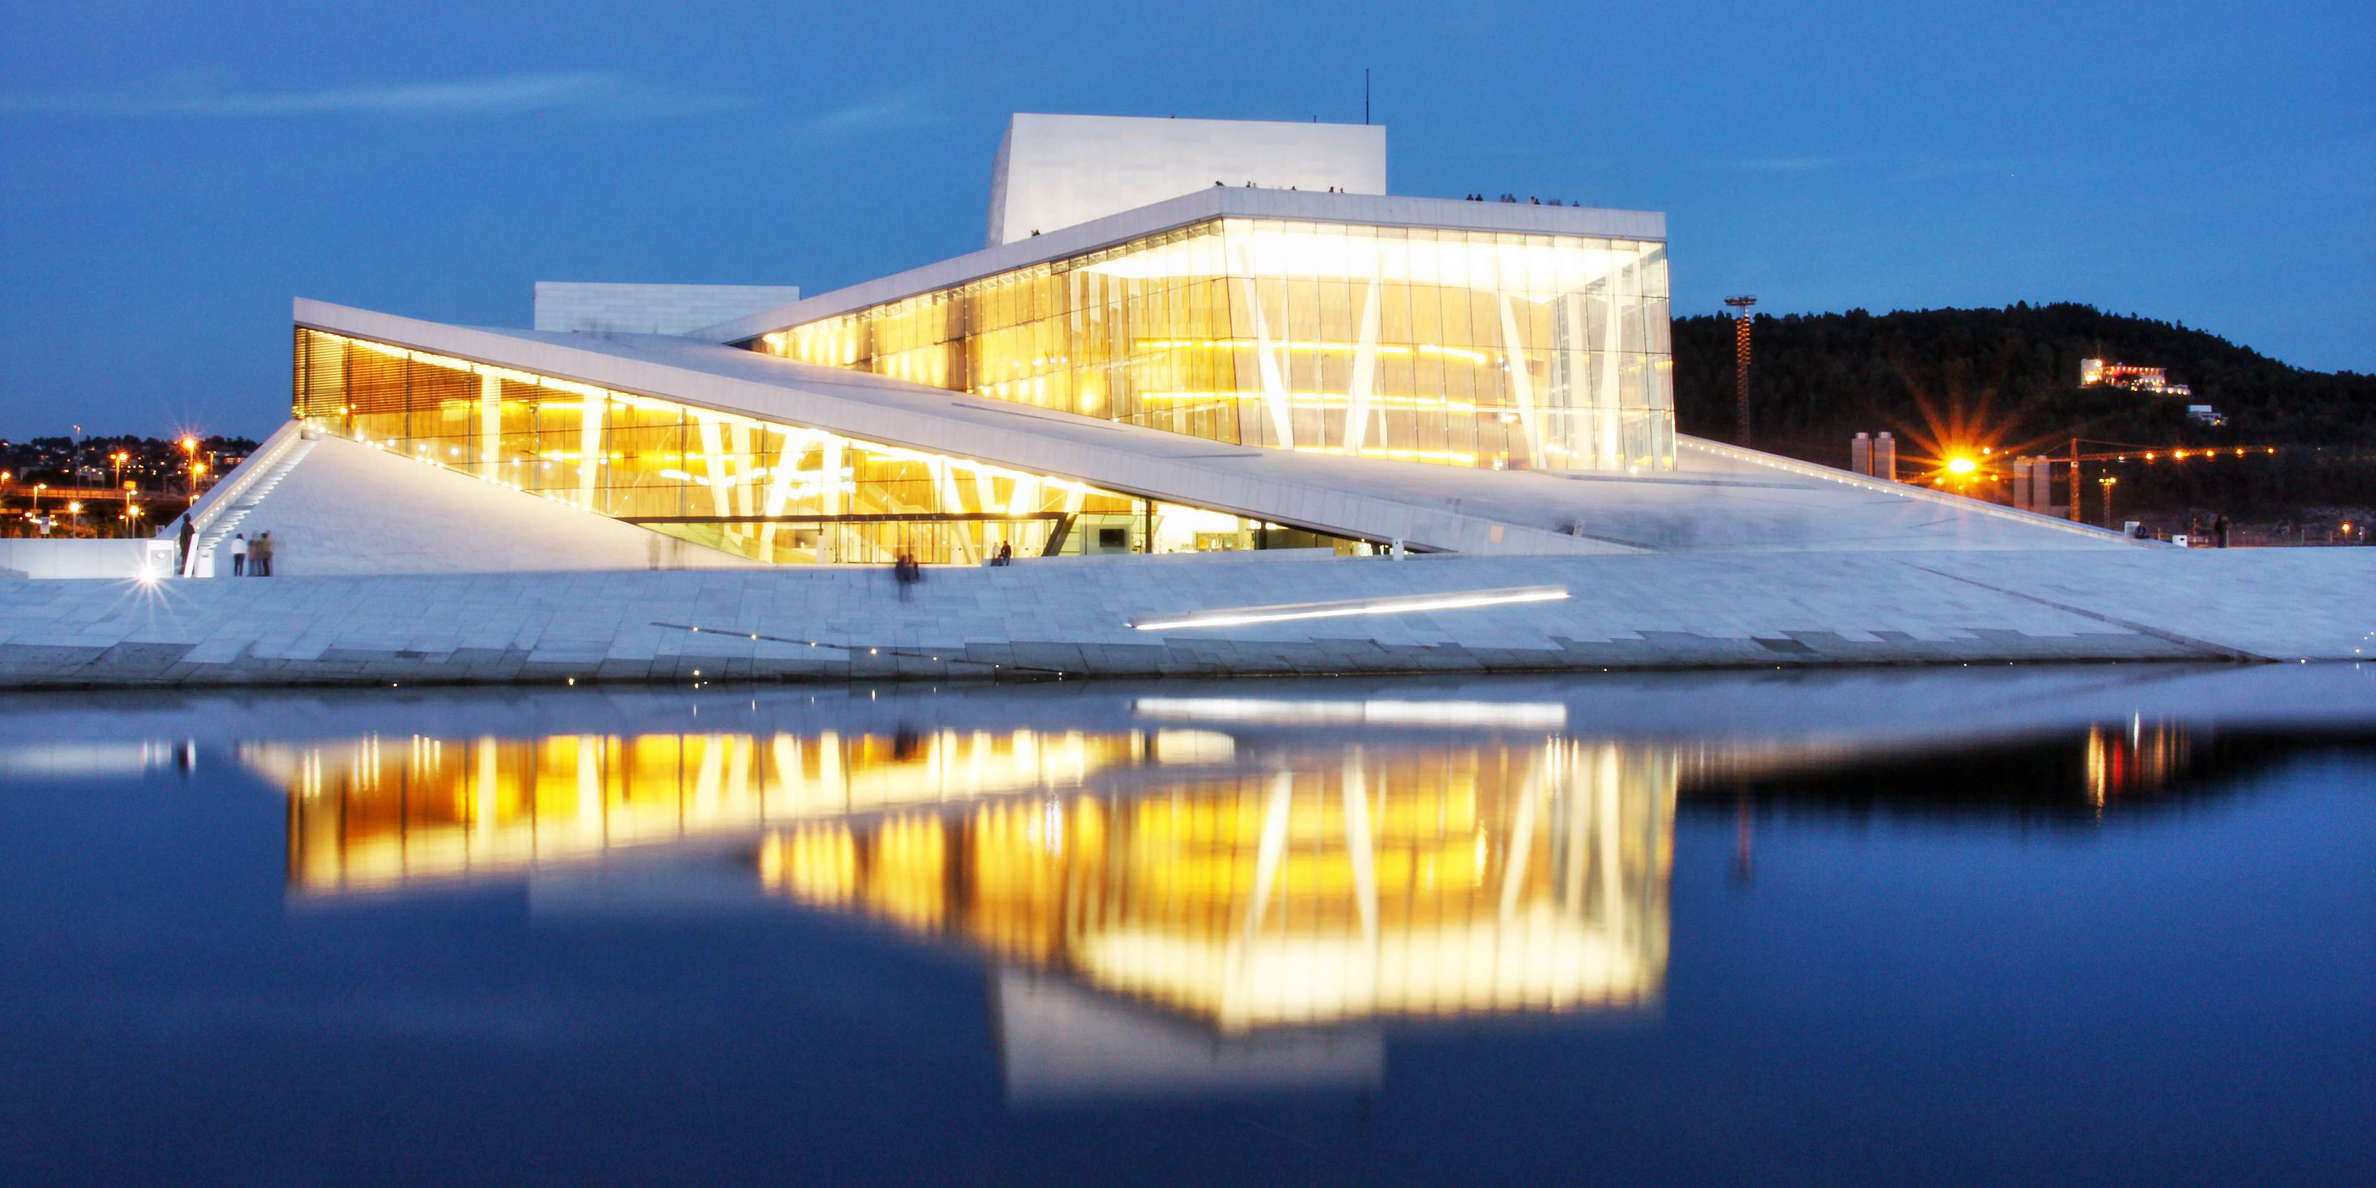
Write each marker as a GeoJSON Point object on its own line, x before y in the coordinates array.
{"type": "Point", "coordinates": [1471, 348]}
{"type": "Point", "coordinates": [767, 491]}
{"type": "Point", "coordinates": [1438, 880]}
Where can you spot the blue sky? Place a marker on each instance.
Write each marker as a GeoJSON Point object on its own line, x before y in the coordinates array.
{"type": "Point", "coordinates": [176, 172]}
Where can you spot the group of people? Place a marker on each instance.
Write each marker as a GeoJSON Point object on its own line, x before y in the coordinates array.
{"type": "Point", "coordinates": [907, 571]}
{"type": "Point", "coordinates": [249, 558]}
{"type": "Point", "coordinates": [1252, 186]}
{"type": "Point", "coordinates": [1531, 201]}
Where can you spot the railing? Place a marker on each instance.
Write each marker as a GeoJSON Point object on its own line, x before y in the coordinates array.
{"type": "Point", "coordinates": [226, 494]}
{"type": "Point", "coordinates": [1903, 490]}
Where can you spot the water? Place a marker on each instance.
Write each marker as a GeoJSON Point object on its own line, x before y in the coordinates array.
{"type": "Point", "coordinates": [2108, 923]}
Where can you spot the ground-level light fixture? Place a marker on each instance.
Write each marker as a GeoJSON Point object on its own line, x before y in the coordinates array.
{"type": "Point", "coordinates": [1397, 605]}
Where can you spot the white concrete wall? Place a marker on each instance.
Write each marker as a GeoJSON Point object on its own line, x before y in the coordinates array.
{"type": "Point", "coordinates": [1054, 171]}
{"type": "Point", "coordinates": [138, 557]}
{"type": "Point", "coordinates": [579, 306]}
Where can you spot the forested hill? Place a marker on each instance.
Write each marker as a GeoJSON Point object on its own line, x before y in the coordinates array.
{"type": "Point", "coordinates": [2007, 378]}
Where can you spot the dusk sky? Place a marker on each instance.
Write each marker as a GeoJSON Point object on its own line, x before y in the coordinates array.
{"type": "Point", "coordinates": [176, 173]}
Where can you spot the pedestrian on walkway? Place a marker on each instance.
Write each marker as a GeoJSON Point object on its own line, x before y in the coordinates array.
{"type": "Point", "coordinates": [187, 532]}
{"type": "Point", "coordinates": [260, 555]}
{"type": "Point", "coordinates": [907, 573]}
{"type": "Point", "coordinates": [238, 554]}
{"type": "Point", "coordinates": [2219, 530]}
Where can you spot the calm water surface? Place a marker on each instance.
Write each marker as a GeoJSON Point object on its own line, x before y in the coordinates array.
{"type": "Point", "coordinates": [2104, 924]}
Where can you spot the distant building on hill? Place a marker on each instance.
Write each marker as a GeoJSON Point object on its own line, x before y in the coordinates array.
{"type": "Point", "coordinates": [2135, 377]}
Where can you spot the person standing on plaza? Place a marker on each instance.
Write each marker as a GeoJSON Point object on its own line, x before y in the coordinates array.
{"type": "Point", "coordinates": [907, 571]}
{"type": "Point", "coordinates": [238, 554]}
{"type": "Point", "coordinates": [260, 555]}
{"type": "Point", "coordinates": [184, 536]}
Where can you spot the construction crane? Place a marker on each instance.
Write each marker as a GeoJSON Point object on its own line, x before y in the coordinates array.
{"type": "Point", "coordinates": [1741, 302]}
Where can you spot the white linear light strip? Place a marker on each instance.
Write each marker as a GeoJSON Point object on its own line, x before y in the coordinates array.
{"type": "Point", "coordinates": [1401, 605]}
{"type": "Point", "coordinates": [1541, 714]}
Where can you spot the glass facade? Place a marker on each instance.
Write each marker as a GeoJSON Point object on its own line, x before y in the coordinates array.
{"type": "Point", "coordinates": [1467, 348]}
{"type": "Point", "coordinates": [772, 492]}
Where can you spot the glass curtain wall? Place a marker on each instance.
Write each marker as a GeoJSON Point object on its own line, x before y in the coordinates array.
{"type": "Point", "coordinates": [1468, 348]}
{"type": "Point", "coordinates": [772, 492]}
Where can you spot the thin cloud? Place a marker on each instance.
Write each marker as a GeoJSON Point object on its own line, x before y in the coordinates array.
{"type": "Point", "coordinates": [912, 106]}
{"type": "Point", "coordinates": [205, 93]}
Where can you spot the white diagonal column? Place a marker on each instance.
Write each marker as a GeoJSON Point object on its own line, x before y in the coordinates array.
{"type": "Point", "coordinates": [490, 427]}
{"type": "Point", "coordinates": [1521, 385]}
{"type": "Point", "coordinates": [1365, 373]}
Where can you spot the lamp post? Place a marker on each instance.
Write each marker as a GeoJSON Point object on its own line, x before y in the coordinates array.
{"type": "Point", "coordinates": [189, 447]}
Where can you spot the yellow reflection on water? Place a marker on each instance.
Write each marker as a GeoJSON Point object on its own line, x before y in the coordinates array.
{"type": "Point", "coordinates": [1435, 882]}
{"type": "Point", "coordinates": [377, 812]}
{"type": "Point", "coordinates": [1305, 885]}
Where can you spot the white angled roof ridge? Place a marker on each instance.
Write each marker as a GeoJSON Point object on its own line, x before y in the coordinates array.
{"type": "Point", "coordinates": [1197, 206]}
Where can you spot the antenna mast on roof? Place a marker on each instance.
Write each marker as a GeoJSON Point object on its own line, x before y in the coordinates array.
{"type": "Point", "coordinates": [1365, 96]}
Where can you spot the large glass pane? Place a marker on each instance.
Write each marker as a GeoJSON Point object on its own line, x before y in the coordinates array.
{"type": "Point", "coordinates": [1473, 328]}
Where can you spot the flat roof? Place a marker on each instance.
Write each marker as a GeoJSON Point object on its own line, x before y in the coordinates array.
{"type": "Point", "coordinates": [1212, 202]}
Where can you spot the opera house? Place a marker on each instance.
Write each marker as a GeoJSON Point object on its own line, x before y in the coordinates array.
{"type": "Point", "coordinates": [1181, 336]}
{"type": "Point", "coordinates": [1209, 401]}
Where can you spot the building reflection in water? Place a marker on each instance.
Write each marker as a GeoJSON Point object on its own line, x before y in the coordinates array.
{"type": "Point", "coordinates": [2141, 758]}
{"type": "Point", "coordinates": [1405, 881]}
{"type": "Point", "coordinates": [1237, 892]}
{"type": "Point", "coordinates": [1241, 884]}
{"type": "Point", "coordinates": [382, 812]}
